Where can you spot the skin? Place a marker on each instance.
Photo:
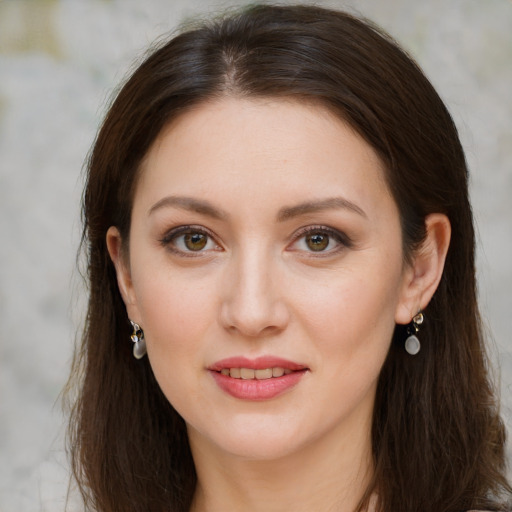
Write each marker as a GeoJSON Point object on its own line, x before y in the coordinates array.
{"type": "Point", "coordinates": [257, 288]}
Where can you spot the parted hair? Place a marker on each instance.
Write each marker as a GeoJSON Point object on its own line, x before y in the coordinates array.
{"type": "Point", "coordinates": [437, 438]}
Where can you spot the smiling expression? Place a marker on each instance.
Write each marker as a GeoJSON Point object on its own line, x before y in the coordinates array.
{"type": "Point", "coordinates": [266, 269]}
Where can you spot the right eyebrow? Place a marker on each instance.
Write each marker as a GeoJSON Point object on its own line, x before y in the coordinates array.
{"type": "Point", "coordinates": [190, 204]}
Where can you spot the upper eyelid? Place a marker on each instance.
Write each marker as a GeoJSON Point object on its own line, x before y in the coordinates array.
{"type": "Point", "coordinates": [320, 228]}
{"type": "Point", "coordinates": [179, 230]}
{"type": "Point", "coordinates": [343, 240]}
{"type": "Point", "coordinates": [299, 233]}
{"type": "Point", "coordinates": [183, 230]}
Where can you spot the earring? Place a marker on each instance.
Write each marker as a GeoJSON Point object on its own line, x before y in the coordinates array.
{"type": "Point", "coordinates": [139, 343]}
{"type": "Point", "coordinates": [412, 343]}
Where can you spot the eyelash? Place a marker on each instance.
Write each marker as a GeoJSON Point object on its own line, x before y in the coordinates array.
{"type": "Point", "coordinates": [341, 238]}
{"type": "Point", "coordinates": [174, 234]}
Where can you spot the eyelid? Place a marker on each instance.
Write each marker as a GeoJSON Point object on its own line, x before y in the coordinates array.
{"type": "Point", "coordinates": [173, 233]}
{"type": "Point", "coordinates": [340, 237]}
{"type": "Point", "coordinates": [343, 240]}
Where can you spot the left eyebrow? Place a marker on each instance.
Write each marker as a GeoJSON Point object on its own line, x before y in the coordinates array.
{"type": "Point", "coordinates": [332, 203]}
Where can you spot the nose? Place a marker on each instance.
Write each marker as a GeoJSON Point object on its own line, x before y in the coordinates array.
{"type": "Point", "coordinates": [253, 302]}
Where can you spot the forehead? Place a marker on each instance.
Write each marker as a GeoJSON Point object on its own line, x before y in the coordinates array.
{"type": "Point", "coordinates": [261, 147]}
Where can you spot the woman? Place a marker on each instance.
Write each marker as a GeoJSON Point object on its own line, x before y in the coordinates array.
{"type": "Point", "coordinates": [278, 229]}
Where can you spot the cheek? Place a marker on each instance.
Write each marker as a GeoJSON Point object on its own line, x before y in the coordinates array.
{"type": "Point", "coordinates": [177, 319]}
{"type": "Point", "coordinates": [351, 325]}
{"type": "Point", "coordinates": [164, 290]}
{"type": "Point", "coordinates": [176, 312]}
{"type": "Point", "coordinates": [351, 319]}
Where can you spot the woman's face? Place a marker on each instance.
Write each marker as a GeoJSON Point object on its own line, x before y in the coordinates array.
{"type": "Point", "coordinates": [266, 269]}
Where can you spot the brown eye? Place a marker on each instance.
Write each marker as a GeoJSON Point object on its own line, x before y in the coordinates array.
{"type": "Point", "coordinates": [322, 240]}
{"type": "Point", "coordinates": [317, 241]}
{"type": "Point", "coordinates": [189, 240]}
{"type": "Point", "coordinates": [195, 241]}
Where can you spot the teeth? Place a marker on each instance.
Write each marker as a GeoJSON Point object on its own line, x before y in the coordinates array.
{"type": "Point", "coordinates": [263, 374]}
{"type": "Point", "coordinates": [277, 372]}
{"type": "Point", "coordinates": [250, 374]}
{"type": "Point", "coordinates": [246, 373]}
{"type": "Point", "coordinates": [234, 372]}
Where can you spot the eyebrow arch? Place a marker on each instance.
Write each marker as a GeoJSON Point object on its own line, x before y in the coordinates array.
{"type": "Point", "coordinates": [318, 206]}
{"type": "Point", "coordinates": [191, 204]}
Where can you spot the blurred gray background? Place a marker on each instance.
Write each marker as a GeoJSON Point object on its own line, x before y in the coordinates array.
{"type": "Point", "coordinates": [60, 61]}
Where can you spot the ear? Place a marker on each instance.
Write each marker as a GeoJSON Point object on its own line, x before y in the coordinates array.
{"type": "Point", "coordinates": [421, 277]}
{"type": "Point", "coordinates": [122, 266]}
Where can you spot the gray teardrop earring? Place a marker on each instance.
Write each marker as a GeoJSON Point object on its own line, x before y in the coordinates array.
{"type": "Point", "coordinates": [139, 343]}
{"type": "Point", "coordinates": [412, 343]}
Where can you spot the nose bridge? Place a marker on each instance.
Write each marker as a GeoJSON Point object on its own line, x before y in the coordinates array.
{"type": "Point", "coordinates": [253, 304]}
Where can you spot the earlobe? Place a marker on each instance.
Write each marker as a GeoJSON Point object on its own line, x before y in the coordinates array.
{"type": "Point", "coordinates": [124, 281]}
{"type": "Point", "coordinates": [423, 275]}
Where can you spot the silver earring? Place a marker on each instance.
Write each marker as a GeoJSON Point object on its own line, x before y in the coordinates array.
{"type": "Point", "coordinates": [139, 343]}
{"type": "Point", "coordinates": [412, 343]}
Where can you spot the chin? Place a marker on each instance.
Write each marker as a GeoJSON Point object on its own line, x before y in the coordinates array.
{"type": "Point", "coordinates": [264, 443]}
{"type": "Point", "coordinates": [267, 449]}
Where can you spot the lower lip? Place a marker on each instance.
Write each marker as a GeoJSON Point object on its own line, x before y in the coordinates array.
{"type": "Point", "coordinates": [254, 389]}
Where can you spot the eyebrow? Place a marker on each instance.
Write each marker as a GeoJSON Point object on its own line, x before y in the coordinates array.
{"type": "Point", "coordinates": [190, 204]}
{"type": "Point", "coordinates": [332, 203]}
{"type": "Point", "coordinates": [288, 212]}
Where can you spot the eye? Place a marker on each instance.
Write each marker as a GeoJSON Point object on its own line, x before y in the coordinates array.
{"type": "Point", "coordinates": [195, 241]}
{"type": "Point", "coordinates": [319, 239]}
{"type": "Point", "coordinates": [189, 239]}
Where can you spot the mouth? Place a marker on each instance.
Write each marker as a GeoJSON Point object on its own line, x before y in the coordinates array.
{"type": "Point", "coordinates": [258, 379]}
{"type": "Point", "coordinates": [260, 374]}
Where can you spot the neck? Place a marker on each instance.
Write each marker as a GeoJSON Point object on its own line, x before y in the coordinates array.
{"type": "Point", "coordinates": [321, 476]}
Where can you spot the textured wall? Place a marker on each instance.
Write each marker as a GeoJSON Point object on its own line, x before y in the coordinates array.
{"type": "Point", "coordinates": [59, 60]}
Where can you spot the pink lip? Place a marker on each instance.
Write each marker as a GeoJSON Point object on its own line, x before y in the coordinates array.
{"type": "Point", "coordinates": [259, 363]}
{"type": "Point", "coordinates": [255, 389]}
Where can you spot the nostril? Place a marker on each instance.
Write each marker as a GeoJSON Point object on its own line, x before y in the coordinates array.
{"type": "Point", "coordinates": [252, 304]}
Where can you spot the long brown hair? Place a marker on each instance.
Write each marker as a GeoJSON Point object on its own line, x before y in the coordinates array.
{"type": "Point", "coordinates": [437, 439]}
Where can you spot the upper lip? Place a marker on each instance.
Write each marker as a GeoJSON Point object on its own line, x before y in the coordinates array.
{"type": "Point", "coordinates": [258, 363]}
